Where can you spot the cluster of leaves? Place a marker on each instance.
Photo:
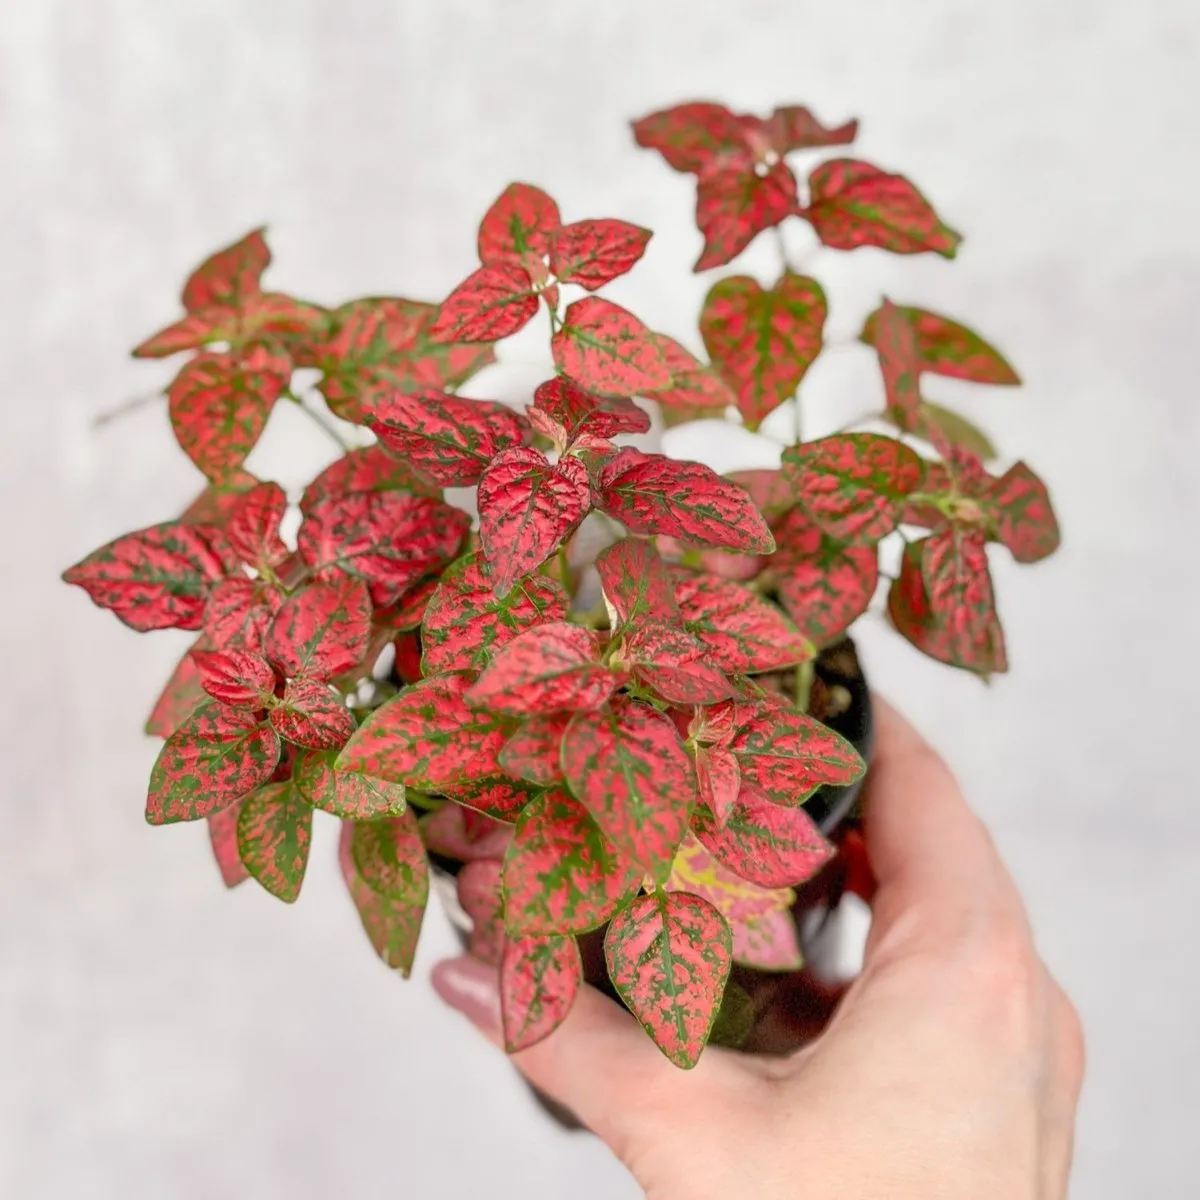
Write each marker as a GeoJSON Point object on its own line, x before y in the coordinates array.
{"type": "Point", "coordinates": [442, 684]}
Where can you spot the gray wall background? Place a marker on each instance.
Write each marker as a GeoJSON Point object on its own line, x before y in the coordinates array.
{"type": "Point", "coordinates": [160, 1038]}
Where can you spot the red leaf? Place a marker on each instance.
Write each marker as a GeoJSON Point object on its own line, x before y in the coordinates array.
{"type": "Point", "coordinates": [763, 342]}
{"type": "Point", "coordinates": [636, 583]}
{"type": "Point", "coordinates": [628, 768]}
{"type": "Point", "coordinates": [896, 345]}
{"type": "Point", "coordinates": [695, 389]}
{"type": "Point", "coordinates": [669, 956]}
{"type": "Point", "coordinates": [786, 755]}
{"type": "Point", "coordinates": [238, 678]}
{"type": "Point", "coordinates": [346, 794]}
{"type": "Point", "coordinates": [1024, 516]}
{"type": "Point", "coordinates": [389, 856]}
{"type": "Point", "coordinates": [389, 539]}
{"type": "Point", "coordinates": [364, 471]}
{"type": "Point", "coordinates": [217, 756]}
{"type": "Point", "coordinates": [426, 737]}
{"type": "Point", "coordinates": [539, 980]}
{"type": "Point", "coordinates": [258, 316]}
{"type": "Point", "coordinates": [448, 439]}
{"type": "Point", "coordinates": [944, 347]}
{"type": "Point", "coordinates": [446, 832]}
{"type": "Point", "coordinates": [222, 836]}
{"type": "Point", "coordinates": [793, 127]}
{"type": "Point", "coordinates": [690, 136]}
{"type": "Point", "coordinates": [392, 926]}
{"type": "Point", "coordinates": [550, 668]}
{"type": "Point", "coordinates": [321, 630]}
{"type": "Point", "coordinates": [768, 489]}
{"type": "Point", "coordinates": [581, 412]}
{"type": "Point", "coordinates": [215, 503]}
{"type": "Point", "coordinates": [219, 404]}
{"type": "Point", "coordinates": [533, 753]}
{"type": "Point", "coordinates": [488, 305]}
{"type": "Point", "coordinates": [180, 697]}
{"type": "Point", "coordinates": [465, 622]}
{"type": "Point", "coordinates": [239, 613]}
{"type": "Point", "coordinates": [478, 886]}
{"type": "Point", "coordinates": [157, 578]}
{"type": "Point", "coordinates": [824, 585]}
{"type": "Point", "coordinates": [961, 601]}
{"type": "Point", "coordinates": [607, 348]}
{"type": "Point", "coordinates": [735, 203]}
{"type": "Point", "coordinates": [718, 781]}
{"type": "Point", "coordinates": [519, 223]}
{"type": "Point", "coordinates": [274, 832]}
{"type": "Point", "coordinates": [230, 275]}
{"type": "Point", "coordinates": [853, 485]}
{"type": "Point", "coordinates": [385, 343]}
{"type": "Point", "coordinates": [312, 714]}
{"type": "Point", "coordinates": [765, 843]}
{"type": "Point", "coordinates": [743, 632]}
{"type": "Point", "coordinates": [674, 665]}
{"type": "Point", "coordinates": [591, 253]}
{"type": "Point", "coordinates": [499, 799]}
{"type": "Point", "coordinates": [649, 493]}
{"type": "Point", "coordinates": [560, 874]}
{"type": "Point", "coordinates": [252, 526]}
{"type": "Point", "coordinates": [526, 509]}
{"type": "Point", "coordinates": [855, 204]}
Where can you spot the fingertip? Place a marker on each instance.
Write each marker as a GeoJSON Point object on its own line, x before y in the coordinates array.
{"type": "Point", "coordinates": [472, 988]}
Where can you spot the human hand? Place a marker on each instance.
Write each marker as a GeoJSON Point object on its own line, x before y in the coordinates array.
{"type": "Point", "coordinates": [951, 1067]}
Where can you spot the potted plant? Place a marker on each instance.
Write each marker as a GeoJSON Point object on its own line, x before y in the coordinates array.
{"type": "Point", "coordinates": [619, 709]}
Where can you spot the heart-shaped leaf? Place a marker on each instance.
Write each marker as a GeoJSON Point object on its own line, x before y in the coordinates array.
{"type": "Point", "coordinates": [735, 203]}
{"type": "Point", "coordinates": [239, 614]}
{"type": "Point", "coordinates": [793, 127]}
{"type": "Point", "coordinates": [230, 275]}
{"type": "Point", "coordinates": [627, 766]}
{"type": "Point", "coordinates": [553, 667]}
{"type": "Point", "coordinates": [591, 253]}
{"type": "Point", "coordinates": [669, 956]}
{"type": "Point", "coordinates": [1024, 516]}
{"type": "Point", "coordinates": [217, 756]}
{"type": "Point", "coordinates": [446, 438]}
{"type": "Point", "coordinates": [649, 493]}
{"type": "Point", "coordinates": [763, 341]}
{"type": "Point", "coordinates": [252, 526]}
{"type": "Point", "coordinates": [346, 794]}
{"type": "Point", "coordinates": [674, 665]}
{"type": "Point", "coordinates": [312, 714]}
{"type": "Point", "coordinates": [533, 753]}
{"type": "Point", "coordinates": [389, 857]}
{"type": "Point", "coordinates": [581, 412]}
{"type": "Point", "coordinates": [947, 348]}
{"type": "Point", "coordinates": [607, 348]}
{"type": "Point", "coordinates": [539, 980]}
{"type": "Point", "coordinates": [527, 507]}
{"type": "Point", "coordinates": [274, 833]}
{"type": "Point", "coordinates": [691, 136]}
{"type": "Point", "coordinates": [636, 583]}
{"type": "Point", "coordinates": [518, 224]}
{"type": "Point", "coordinates": [488, 305]}
{"type": "Point", "coordinates": [367, 469]}
{"type": "Point", "coordinates": [853, 485]}
{"type": "Point", "coordinates": [560, 874]}
{"type": "Point", "coordinates": [853, 203]}
{"type": "Point", "coordinates": [321, 630]}
{"type": "Point", "coordinates": [238, 678]}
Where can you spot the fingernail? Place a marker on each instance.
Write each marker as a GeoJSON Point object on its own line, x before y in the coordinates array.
{"type": "Point", "coordinates": [469, 987]}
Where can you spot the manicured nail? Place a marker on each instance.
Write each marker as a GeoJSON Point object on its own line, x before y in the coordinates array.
{"type": "Point", "coordinates": [470, 987]}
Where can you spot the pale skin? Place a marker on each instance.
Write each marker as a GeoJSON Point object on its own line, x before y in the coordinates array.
{"type": "Point", "coordinates": [950, 1068]}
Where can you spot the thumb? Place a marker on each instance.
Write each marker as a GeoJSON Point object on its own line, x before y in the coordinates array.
{"type": "Point", "coordinates": [598, 1063]}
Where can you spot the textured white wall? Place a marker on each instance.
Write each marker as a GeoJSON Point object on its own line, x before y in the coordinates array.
{"type": "Point", "coordinates": [159, 1038]}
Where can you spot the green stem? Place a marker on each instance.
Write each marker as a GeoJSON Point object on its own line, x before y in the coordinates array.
{"type": "Point", "coordinates": [320, 420]}
{"type": "Point", "coordinates": [805, 673]}
{"type": "Point", "coordinates": [124, 409]}
{"type": "Point", "coordinates": [564, 569]}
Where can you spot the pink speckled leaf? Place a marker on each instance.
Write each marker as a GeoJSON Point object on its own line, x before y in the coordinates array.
{"type": "Point", "coordinates": [252, 526]}
{"type": "Point", "coordinates": [157, 578]}
{"type": "Point", "coordinates": [1024, 517]}
{"type": "Point", "coordinates": [735, 203]}
{"type": "Point", "coordinates": [785, 755]}
{"type": "Point", "coordinates": [312, 714]}
{"type": "Point", "coordinates": [365, 470]}
{"type": "Point", "coordinates": [321, 630]}
{"type": "Point", "coordinates": [426, 737]}
{"type": "Point", "coordinates": [533, 753]}
{"type": "Point", "coordinates": [695, 390]}
{"type": "Point", "coordinates": [743, 632]}
{"type": "Point", "coordinates": [527, 507]}
{"type": "Point", "coordinates": [673, 664]}
{"type": "Point", "coordinates": [222, 837]}
{"type": "Point", "coordinates": [389, 857]}
{"type": "Point", "coordinates": [446, 831]}
{"type": "Point", "coordinates": [636, 583]}
{"type": "Point", "coordinates": [219, 404]}
{"type": "Point", "coordinates": [260, 316]}
{"type": "Point", "coordinates": [605, 347]}
{"type": "Point", "coordinates": [448, 439]}
{"type": "Point", "coordinates": [239, 613]}
{"type": "Point", "coordinates": [499, 798]}
{"type": "Point", "coordinates": [794, 127]}
{"type": "Point", "coordinates": [274, 832]}
{"type": "Point", "coordinates": [539, 980]}
{"type": "Point", "coordinates": [238, 678]}
{"type": "Point", "coordinates": [217, 756]}
{"type": "Point", "coordinates": [466, 623]}
{"type": "Point", "coordinates": [853, 203]}
{"type": "Point", "coordinates": [959, 587]}
{"type": "Point", "coordinates": [554, 667]}
{"type": "Point", "coordinates": [649, 493]}
{"type": "Point", "coordinates": [763, 341]}
{"type": "Point", "coordinates": [488, 305]}
{"type": "Point", "coordinates": [215, 503]}
{"type": "Point", "coordinates": [180, 697]}
{"type": "Point", "coordinates": [896, 345]}
{"type": "Point", "coordinates": [945, 347]}
{"type": "Point", "coordinates": [718, 781]}
{"type": "Point", "coordinates": [346, 794]}
{"type": "Point", "coordinates": [764, 843]}
{"type": "Point", "coordinates": [393, 927]}
{"type": "Point", "coordinates": [581, 412]}
{"type": "Point", "coordinates": [560, 873]}
{"type": "Point", "coordinates": [669, 956]}
{"type": "Point", "coordinates": [230, 275]}
{"type": "Point", "coordinates": [478, 887]}
{"type": "Point", "coordinates": [627, 766]}
{"type": "Point", "coordinates": [591, 253]}
{"type": "Point", "coordinates": [519, 223]}
{"type": "Point", "coordinates": [825, 586]}
{"type": "Point", "coordinates": [691, 136]}
{"type": "Point", "coordinates": [853, 485]}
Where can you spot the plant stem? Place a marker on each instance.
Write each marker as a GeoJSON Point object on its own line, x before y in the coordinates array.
{"type": "Point", "coordinates": [804, 680]}
{"type": "Point", "coordinates": [320, 420]}
{"type": "Point", "coordinates": [564, 568]}
{"type": "Point", "coordinates": [124, 409]}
